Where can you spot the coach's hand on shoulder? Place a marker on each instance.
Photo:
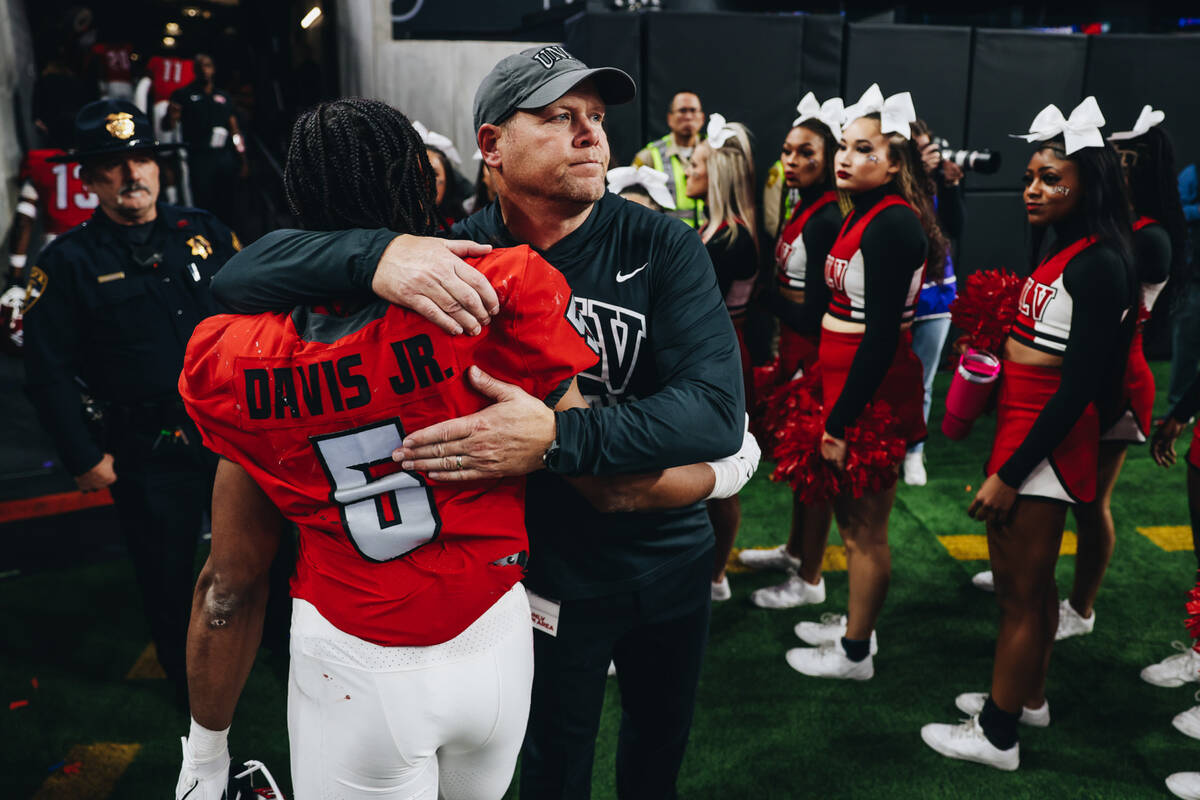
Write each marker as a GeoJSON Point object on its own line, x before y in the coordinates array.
{"type": "Point", "coordinates": [428, 276]}
{"type": "Point", "coordinates": [993, 501]}
{"type": "Point", "coordinates": [506, 438]}
{"type": "Point", "coordinates": [98, 477]}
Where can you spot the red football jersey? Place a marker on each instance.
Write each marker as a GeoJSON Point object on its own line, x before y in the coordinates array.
{"type": "Point", "coordinates": [56, 190]}
{"type": "Point", "coordinates": [388, 556]}
{"type": "Point", "coordinates": [116, 62]}
{"type": "Point", "coordinates": [168, 73]}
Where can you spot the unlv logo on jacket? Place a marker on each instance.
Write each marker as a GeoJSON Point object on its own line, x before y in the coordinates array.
{"type": "Point", "coordinates": [835, 272]}
{"type": "Point", "coordinates": [1034, 299]}
{"type": "Point", "coordinates": [616, 334]}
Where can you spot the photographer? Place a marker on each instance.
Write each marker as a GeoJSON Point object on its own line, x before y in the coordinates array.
{"type": "Point", "coordinates": [932, 324]}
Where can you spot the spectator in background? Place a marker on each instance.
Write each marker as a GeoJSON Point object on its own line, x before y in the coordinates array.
{"type": "Point", "coordinates": [671, 154]}
{"type": "Point", "coordinates": [642, 185]}
{"type": "Point", "coordinates": [721, 173]}
{"type": "Point", "coordinates": [932, 323]}
{"type": "Point", "coordinates": [1185, 309]}
{"type": "Point", "coordinates": [444, 158]}
{"type": "Point", "coordinates": [485, 191]}
{"type": "Point", "coordinates": [216, 153]}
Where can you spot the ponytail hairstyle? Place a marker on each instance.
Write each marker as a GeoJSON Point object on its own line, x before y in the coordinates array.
{"type": "Point", "coordinates": [911, 182]}
{"type": "Point", "coordinates": [1154, 192]}
{"type": "Point", "coordinates": [358, 163]}
{"type": "Point", "coordinates": [1105, 203]}
{"type": "Point", "coordinates": [731, 184]}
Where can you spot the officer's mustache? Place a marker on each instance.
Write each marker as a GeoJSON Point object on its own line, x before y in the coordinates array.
{"type": "Point", "coordinates": [134, 186]}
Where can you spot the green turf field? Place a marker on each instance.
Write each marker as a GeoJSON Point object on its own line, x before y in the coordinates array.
{"type": "Point", "coordinates": [761, 730]}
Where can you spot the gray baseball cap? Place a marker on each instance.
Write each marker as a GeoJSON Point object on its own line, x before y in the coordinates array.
{"type": "Point", "coordinates": [537, 77]}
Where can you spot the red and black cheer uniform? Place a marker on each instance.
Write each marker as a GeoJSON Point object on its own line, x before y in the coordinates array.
{"type": "Point", "coordinates": [1048, 419]}
{"type": "Point", "coordinates": [800, 253]}
{"type": "Point", "coordinates": [874, 271]}
{"type": "Point", "coordinates": [736, 263]}
{"type": "Point", "coordinates": [313, 403]}
{"type": "Point", "coordinates": [1152, 249]}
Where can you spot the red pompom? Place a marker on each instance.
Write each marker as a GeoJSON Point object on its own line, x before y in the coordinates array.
{"type": "Point", "coordinates": [1193, 610]}
{"type": "Point", "coordinates": [986, 306]}
{"type": "Point", "coordinates": [792, 436]}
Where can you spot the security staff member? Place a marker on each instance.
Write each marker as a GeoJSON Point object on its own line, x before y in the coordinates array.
{"type": "Point", "coordinates": [216, 153]}
{"type": "Point", "coordinates": [672, 152]}
{"type": "Point", "coordinates": [119, 297]}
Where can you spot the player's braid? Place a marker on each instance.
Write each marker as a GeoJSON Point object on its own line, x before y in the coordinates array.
{"type": "Point", "coordinates": [359, 163]}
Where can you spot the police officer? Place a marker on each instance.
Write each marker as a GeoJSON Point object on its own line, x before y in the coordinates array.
{"type": "Point", "coordinates": [118, 298]}
{"type": "Point", "coordinates": [672, 152]}
{"type": "Point", "coordinates": [216, 152]}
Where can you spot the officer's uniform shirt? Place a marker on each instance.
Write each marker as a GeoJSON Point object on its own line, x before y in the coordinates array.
{"type": "Point", "coordinates": [116, 306]}
{"type": "Point", "coordinates": [200, 113]}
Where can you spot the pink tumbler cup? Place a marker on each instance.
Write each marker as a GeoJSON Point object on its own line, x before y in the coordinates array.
{"type": "Point", "coordinates": [972, 385]}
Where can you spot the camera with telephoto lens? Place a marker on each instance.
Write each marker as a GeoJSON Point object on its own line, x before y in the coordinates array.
{"type": "Point", "coordinates": [985, 162]}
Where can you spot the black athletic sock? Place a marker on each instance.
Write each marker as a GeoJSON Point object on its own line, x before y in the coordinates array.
{"type": "Point", "coordinates": [856, 649]}
{"type": "Point", "coordinates": [999, 726]}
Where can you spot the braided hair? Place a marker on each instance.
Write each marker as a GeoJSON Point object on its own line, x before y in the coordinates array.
{"type": "Point", "coordinates": [358, 163]}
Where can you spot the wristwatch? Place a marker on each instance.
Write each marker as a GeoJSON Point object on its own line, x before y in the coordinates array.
{"type": "Point", "coordinates": [550, 457]}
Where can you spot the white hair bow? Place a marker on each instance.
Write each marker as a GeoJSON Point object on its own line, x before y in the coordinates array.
{"type": "Point", "coordinates": [1080, 130]}
{"type": "Point", "coordinates": [650, 179]}
{"type": "Point", "coordinates": [718, 131]}
{"type": "Point", "coordinates": [1145, 121]}
{"type": "Point", "coordinates": [829, 113]}
{"type": "Point", "coordinates": [896, 113]}
{"type": "Point", "coordinates": [440, 141]}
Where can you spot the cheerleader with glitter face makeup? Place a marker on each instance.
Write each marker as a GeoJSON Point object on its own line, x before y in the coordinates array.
{"type": "Point", "coordinates": [1061, 384]}
{"type": "Point", "coordinates": [799, 300]}
{"type": "Point", "coordinates": [874, 270]}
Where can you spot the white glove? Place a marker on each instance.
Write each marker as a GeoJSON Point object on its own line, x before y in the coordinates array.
{"type": "Point", "coordinates": [14, 297]}
{"type": "Point", "coordinates": [733, 472]}
{"type": "Point", "coordinates": [202, 781]}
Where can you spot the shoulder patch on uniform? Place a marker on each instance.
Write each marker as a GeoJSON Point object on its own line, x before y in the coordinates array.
{"type": "Point", "coordinates": [38, 281]}
{"type": "Point", "coordinates": [237, 243]}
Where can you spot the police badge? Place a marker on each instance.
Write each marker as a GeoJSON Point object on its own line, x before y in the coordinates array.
{"type": "Point", "coordinates": [200, 246]}
{"type": "Point", "coordinates": [120, 125]}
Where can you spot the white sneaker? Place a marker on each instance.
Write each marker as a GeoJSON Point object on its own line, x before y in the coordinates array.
{"type": "Point", "coordinates": [1176, 670]}
{"type": "Point", "coordinates": [721, 591]}
{"type": "Point", "coordinates": [972, 703]}
{"type": "Point", "coordinates": [967, 741]}
{"type": "Point", "coordinates": [829, 661]}
{"type": "Point", "coordinates": [830, 629]}
{"type": "Point", "coordinates": [1188, 722]}
{"type": "Point", "coordinates": [612, 669]}
{"type": "Point", "coordinates": [795, 591]}
{"type": "Point", "coordinates": [984, 580]}
{"type": "Point", "coordinates": [914, 469]}
{"type": "Point", "coordinates": [777, 558]}
{"type": "Point", "coordinates": [1185, 785]}
{"type": "Point", "coordinates": [1071, 623]}
{"type": "Point", "coordinates": [206, 780]}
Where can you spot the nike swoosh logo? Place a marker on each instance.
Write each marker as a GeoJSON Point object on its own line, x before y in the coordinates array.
{"type": "Point", "coordinates": [621, 278]}
{"type": "Point", "coordinates": [189, 791]}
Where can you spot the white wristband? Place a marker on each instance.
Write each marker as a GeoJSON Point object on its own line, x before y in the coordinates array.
{"type": "Point", "coordinates": [730, 474]}
{"type": "Point", "coordinates": [17, 261]}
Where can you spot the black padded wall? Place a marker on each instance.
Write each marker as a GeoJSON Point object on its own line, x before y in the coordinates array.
{"type": "Point", "coordinates": [614, 40]}
{"type": "Point", "coordinates": [1126, 72]}
{"type": "Point", "coordinates": [995, 234]}
{"type": "Point", "coordinates": [747, 67]}
{"type": "Point", "coordinates": [930, 61]}
{"type": "Point", "coordinates": [1013, 77]}
{"type": "Point", "coordinates": [821, 58]}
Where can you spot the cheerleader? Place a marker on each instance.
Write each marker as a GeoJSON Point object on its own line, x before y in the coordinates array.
{"type": "Point", "coordinates": [1158, 234]}
{"type": "Point", "coordinates": [874, 270]}
{"type": "Point", "coordinates": [721, 173]}
{"type": "Point", "coordinates": [1065, 357]}
{"type": "Point", "coordinates": [800, 302]}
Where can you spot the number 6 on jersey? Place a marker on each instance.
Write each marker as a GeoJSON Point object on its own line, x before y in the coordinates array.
{"type": "Point", "coordinates": [387, 512]}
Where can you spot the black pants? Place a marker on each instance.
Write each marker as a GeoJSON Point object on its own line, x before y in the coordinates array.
{"type": "Point", "coordinates": [656, 637]}
{"type": "Point", "coordinates": [163, 487]}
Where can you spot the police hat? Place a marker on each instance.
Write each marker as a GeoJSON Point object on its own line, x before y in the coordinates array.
{"type": "Point", "coordinates": [108, 126]}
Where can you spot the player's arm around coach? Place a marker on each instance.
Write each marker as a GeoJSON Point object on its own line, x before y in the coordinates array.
{"type": "Point", "coordinates": [550, 162]}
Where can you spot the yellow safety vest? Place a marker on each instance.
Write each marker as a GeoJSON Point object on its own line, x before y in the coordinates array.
{"type": "Point", "coordinates": [687, 209]}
